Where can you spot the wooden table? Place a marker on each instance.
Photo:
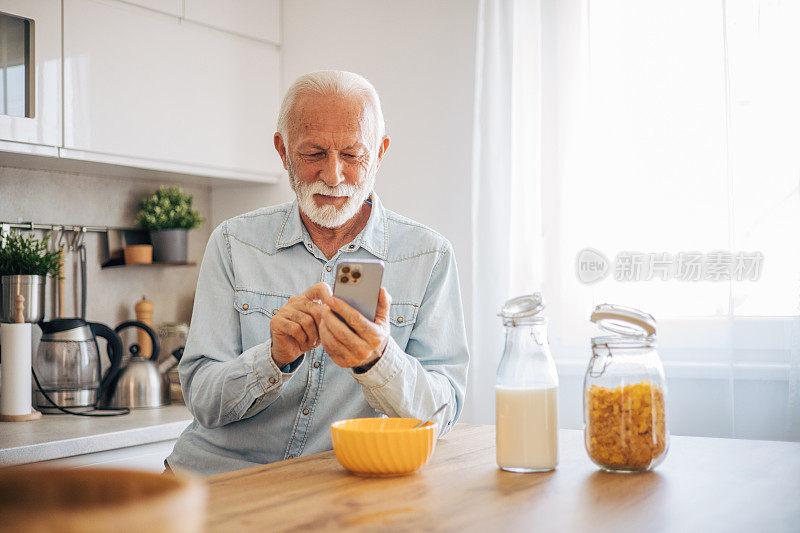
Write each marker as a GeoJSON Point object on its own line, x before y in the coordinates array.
{"type": "Point", "coordinates": [703, 485]}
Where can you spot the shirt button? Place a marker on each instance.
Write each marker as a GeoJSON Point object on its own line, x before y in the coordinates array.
{"type": "Point", "coordinates": [399, 319]}
{"type": "Point", "coordinates": [274, 311]}
{"type": "Point", "coordinates": [328, 268]}
{"type": "Point", "coordinates": [245, 307]}
{"type": "Point", "coordinates": [273, 380]}
{"type": "Point", "coordinates": [305, 411]}
{"type": "Point", "coordinates": [352, 246]}
{"type": "Point", "coordinates": [316, 364]}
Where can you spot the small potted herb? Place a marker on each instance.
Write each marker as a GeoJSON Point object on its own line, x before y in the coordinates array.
{"type": "Point", "coordinates": [25, 264]}
{"type": "Point", "coordinates": [168, 215]}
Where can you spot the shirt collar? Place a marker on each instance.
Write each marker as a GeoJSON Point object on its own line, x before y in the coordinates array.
{"type": "Point", "coordinates": [374, 237]}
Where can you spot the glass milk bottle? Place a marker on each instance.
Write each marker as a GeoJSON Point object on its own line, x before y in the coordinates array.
{"type": "Point", "coordinates": [526, 391]}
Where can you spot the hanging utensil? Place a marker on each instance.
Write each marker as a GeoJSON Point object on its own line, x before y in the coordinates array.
{"type": "Point", "coordinates": [79, 244]}
{"type": "Point", "coordinates": [62, 267]}
{"type": "Point", "coordinates": [82, 255]}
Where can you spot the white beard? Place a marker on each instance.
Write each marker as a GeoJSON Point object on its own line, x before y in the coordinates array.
{"type": "Point", "coordinates": [330, 216]}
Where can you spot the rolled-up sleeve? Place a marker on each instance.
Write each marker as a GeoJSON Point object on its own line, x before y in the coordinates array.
{"type": "Point", "coordinates": [432, 370]}
{"type": "Point", "coordinates": [220, 383]}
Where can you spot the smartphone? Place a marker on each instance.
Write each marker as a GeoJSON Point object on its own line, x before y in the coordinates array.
{"type": "Point", "coordinates": [359, 284]}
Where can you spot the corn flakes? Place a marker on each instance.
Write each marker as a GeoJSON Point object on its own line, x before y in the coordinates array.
{"type": "Point", "coordinates": [625, 426]}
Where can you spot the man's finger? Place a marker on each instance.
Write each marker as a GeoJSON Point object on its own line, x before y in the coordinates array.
{"type": "Point", "coordinates": [338, 352]}
{"type": "Point", "coordinates": [319, 291]}
{"type": "Point", "coordinates": [343, 334]}
{"type": "Point", "coordinates": [384, 305]}
{"type": "Point", "coordinates": [304, 320]}
{"type": "Point", "coordinates": [284, 326]}
{"type": "Point", "coordinates": [306, 306]}
{"type": "Point", "coordinates": [350, 315]}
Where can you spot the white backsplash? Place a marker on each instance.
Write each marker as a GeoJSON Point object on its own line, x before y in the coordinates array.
{"type": "Point", "coordinates": [77, 199]}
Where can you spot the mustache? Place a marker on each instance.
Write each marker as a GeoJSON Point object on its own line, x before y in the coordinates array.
{"type": "Point", "coordinates": [319, 187]}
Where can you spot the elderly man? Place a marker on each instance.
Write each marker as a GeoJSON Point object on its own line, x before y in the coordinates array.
{"type": "Point", "coordinates": [272, 357]}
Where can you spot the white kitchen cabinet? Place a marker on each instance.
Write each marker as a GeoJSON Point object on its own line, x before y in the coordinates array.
{"type": "Point", "coordinates": [259, 19]}
{"type": "Point", "coordinates": [42, 127]}
{"type": "Point", "coordinates": [170, 7]}
{"type": "Point", "coordinates": [143, 89]}
{"type": "Point", "coordinates": [148, 457]}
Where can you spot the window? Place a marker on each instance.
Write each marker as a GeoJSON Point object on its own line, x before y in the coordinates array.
{"type": "Point", "coordinates": [651, 133]}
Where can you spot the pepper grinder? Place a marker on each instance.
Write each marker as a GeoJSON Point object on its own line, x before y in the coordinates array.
{"type": "Point", "coordinates": [144, 313]}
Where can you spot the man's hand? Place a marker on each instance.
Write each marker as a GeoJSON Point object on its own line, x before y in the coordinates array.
{"type": "Point", "coordinates": [294, 327]}
{"type": "Point", "coordinates": [361, 345]}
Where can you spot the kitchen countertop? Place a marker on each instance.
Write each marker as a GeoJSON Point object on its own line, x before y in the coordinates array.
{"type": "Point", "coordinates": [58, 436]}
{"type": "Point", "coordinates": [704, 484]}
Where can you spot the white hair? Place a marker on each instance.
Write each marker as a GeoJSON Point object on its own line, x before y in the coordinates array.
{"type": "Point", "coordinates": [331, 82]}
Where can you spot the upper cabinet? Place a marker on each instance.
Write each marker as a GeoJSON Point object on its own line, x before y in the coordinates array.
{"type": "Point", "coordinates": [146, 86]}
{"type": "Point", "coordinates": [259, 19]}
{"type": "Point", "coordinates": [170, 7]}
{"type": "Point", "coordinates": [30, 75]}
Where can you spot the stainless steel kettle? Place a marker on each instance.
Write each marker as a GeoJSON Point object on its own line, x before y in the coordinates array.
{"type": "Point", "coordinates": [142, 383]}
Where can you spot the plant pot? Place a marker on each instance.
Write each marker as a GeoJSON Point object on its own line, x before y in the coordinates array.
{"type": "Point", "coordinates": [169, 245]}
{"type": "Point", "coordinates": [138, 254]}
{"type": "Point", "coordinates": [31, 287]}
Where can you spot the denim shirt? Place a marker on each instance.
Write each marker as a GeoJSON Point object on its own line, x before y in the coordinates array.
{"type": "Point", "coordinates": [247, 411]}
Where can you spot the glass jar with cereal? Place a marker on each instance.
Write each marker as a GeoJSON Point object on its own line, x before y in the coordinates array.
{"type": "Point", "coordinates": [624, 397]}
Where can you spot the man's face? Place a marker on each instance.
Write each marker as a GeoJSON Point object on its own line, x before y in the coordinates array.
{"type": "Point", "coordinates": [331, 157]}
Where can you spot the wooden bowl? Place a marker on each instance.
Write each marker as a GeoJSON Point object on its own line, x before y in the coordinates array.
{"type": "Point", "coordinates": [88, 500]}
{"type": "Point", "coordinates": [138, 254]}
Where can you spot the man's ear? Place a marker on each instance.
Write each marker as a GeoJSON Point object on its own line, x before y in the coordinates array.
{"type": "Point", "coordinates": [281, 148]}
{"type": "Point", "coordinates": [384, 146]}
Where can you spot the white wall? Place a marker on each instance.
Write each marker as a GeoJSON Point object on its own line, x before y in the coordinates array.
{"type": "Point", "coordinates": [420, 55]}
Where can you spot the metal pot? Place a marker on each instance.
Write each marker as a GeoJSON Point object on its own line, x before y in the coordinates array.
{"type": "Point", "coordinates": [31, 287]}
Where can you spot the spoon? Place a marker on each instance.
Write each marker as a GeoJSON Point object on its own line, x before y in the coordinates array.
{"type": "Point", "coordinates": [436, 412]}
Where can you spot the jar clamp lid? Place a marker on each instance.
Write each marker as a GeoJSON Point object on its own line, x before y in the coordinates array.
{"type": "Point", "coordinates": [524, 307]}
{"type": "Point", "coordinates": [625, 321]}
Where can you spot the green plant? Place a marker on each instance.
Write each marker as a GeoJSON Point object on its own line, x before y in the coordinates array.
{"type": "Point", "coordinates": [168, 208]}
{"type": "Point", "coordinates": [28, 257]}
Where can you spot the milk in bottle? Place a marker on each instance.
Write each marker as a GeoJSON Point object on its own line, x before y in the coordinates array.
{"type": "Point", "coordinates": [526, 391]}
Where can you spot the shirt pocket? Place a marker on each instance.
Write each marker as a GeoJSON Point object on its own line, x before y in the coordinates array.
{"type": "Point", "coordinates": [256, 308]}
{"type": "Point", "coordinates": [402, 317]}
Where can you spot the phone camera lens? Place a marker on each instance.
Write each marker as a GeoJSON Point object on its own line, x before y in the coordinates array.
{"type": "Point", "coordinates": [356, 274]}
{"type": "Point", "coordinates": [344, 279]}
{"type": "Point", "coordinates": [345, 270]}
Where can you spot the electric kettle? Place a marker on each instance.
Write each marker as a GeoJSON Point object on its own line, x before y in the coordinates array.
{"type": "Point", "coordinates": [67, 364]}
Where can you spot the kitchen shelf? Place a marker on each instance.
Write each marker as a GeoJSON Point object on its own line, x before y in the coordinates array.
{"type": "Point", "coordinates": [191, 263]}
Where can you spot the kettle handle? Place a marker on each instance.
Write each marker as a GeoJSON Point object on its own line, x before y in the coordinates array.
{"type": "Point", "coordinates": [114, 353]}
{"type": "Point", "coordinates": [147, 329]}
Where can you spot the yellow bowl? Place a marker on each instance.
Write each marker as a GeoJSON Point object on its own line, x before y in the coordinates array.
{"type": "Point", "coordinates": [383, 446]}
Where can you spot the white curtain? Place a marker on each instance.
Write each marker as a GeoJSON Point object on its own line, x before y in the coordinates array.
{"type": "Point", "coordinates": [491, 187]}
{"type": "Point", "coordinates": [663, 135]}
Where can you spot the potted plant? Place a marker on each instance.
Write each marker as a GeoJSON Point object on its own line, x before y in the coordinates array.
{"type": "Point", "coordinates": [168, 215]}
{"type": "Point", "coordinates": [25, 264]}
